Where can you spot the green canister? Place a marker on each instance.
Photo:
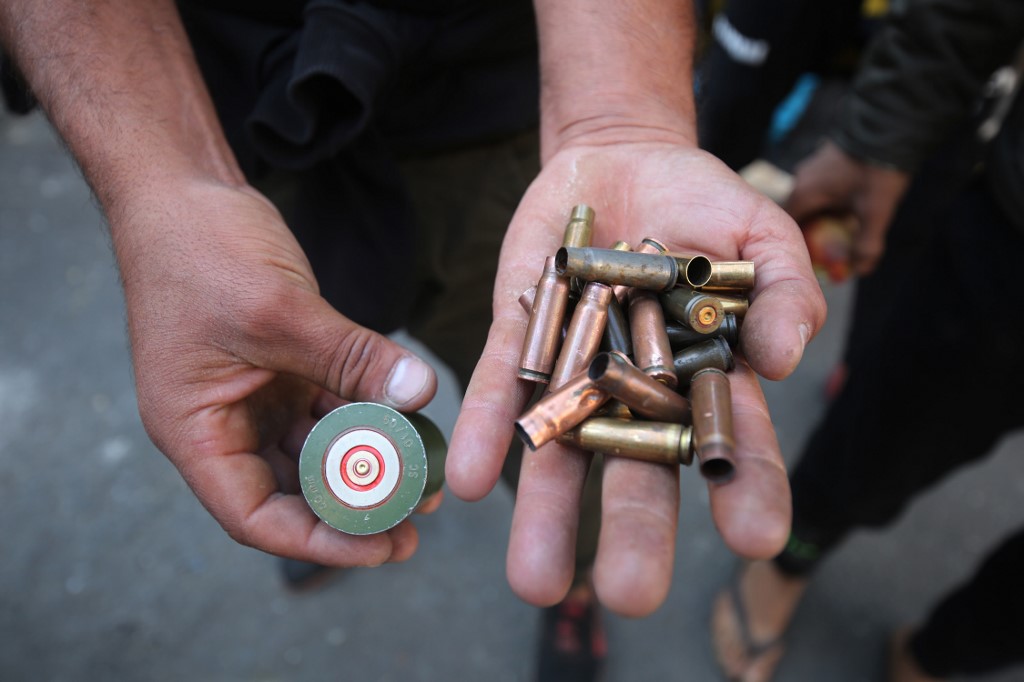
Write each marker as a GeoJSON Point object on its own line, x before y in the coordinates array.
{"type": "Point", "coordinates": [365, 467]}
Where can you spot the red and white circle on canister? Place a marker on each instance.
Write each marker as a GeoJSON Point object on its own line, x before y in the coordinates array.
{"type": "Point", "coordinates": [362, 468]}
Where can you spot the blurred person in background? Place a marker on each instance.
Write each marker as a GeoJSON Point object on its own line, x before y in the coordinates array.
{"type": "Point", "coordinates": [937, 187]}
{"type": "Point", "coordinates": [757, 51]}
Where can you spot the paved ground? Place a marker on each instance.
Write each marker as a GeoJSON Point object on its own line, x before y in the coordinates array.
{"type": "Point", "coordinates": [112, 571]}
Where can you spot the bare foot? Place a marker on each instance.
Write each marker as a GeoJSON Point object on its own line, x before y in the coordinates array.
{"type": "Point", "coordinates": [902, 666]}
{"type": "Point", "coordinates": [747, 636]}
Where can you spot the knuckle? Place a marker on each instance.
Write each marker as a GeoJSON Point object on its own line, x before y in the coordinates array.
{"type": "Point", "coordinates": [351, 359]}
{"type": "Point", "coordinates": [240, 532]}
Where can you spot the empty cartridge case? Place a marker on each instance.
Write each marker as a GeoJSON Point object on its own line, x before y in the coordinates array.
{"type": "Point", "coordinates": [527, 298]}
{"type": "Point", "coordinates": [701, 312]}
{"type": "Point", "coordinates": [578, 232]}
{"type": "Point", "coordinates": [614, 374]}
{"type": "Point", "coordinates": [658, 442]}
{"type": "Point", "coordinates": [580, 227]}
{"type": "Point", "coordinates": [614, 409]}
{"type": "Point", "coordinates": [648, 245]}
{"type": "Point", "coordinates": [730, 275]}
{"type": "Point", "coordinates": [735, 305]}
{"type": "Point", "coordinates": [621, 290]}
{"type": "Point", "coordinates": [616, 331]}
{"type": "Point", "coordinates": [544, 333]}
{"type": "Point", "coordinates": [646, 271]}
{"type": "Point", "coordinates": [651, 245]}
{"type": "Point", "coordinates": [583, 338]}
{"type": "Point", "coordinates": [559, 411]}
{"type": "Point", "coordinates": [714, 352]}
{"type": "Point", "coordinates": [713, 439]}
{"type": "Point", "coordinates": [651, 349]}
{"type": "Point", "coordinates": [681, 335]}
{"type": "Point", "coordinates": [694, 270]}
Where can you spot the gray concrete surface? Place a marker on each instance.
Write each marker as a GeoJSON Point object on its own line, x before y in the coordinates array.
{"type": "Point", "coordinates": [111, 570]}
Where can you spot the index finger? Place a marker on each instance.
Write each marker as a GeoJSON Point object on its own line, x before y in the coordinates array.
{"type": "Point", "coordinates": [494, 399]}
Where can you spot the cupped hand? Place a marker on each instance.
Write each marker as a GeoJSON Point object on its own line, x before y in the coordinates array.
{"type": "Point", "coordinates": [693, 203]}
{"type": "Point", "coordinates": [236, 355]}
{"type": "Point", "coordinates": [832, 181]}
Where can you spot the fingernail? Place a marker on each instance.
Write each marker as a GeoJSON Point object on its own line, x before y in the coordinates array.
{"type": "Point", "coordinates": [407, 380]}
{"type": "Point", "coordinates": [805, 334]}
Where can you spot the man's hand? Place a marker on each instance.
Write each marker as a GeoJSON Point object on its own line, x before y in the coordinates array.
{"type": "Point", "coordinates": [668, 190]}
{"type": "Point", "coordinates": [831, 181]}
{"type": "Point", "coordinates": [236, 356]}
{"type": "Point", "coordinates": [235, 353]}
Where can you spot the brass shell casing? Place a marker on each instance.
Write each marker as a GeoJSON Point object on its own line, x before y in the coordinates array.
{"type": "Point", "coordinates": [734, 305]}
{"type": "Point", "coordinates": [583, 338]}
{"type": "Point", "coordinates": [579, 232]}
{"type": "Point", "coordinates": [614, 374]}
{"type": "Point", "coordinates": [544, 333]}
{"type": "Point", "coordinates": [580, 227]}
{"type": "Point", "coordinates": [621, 290]}
{"type": "Point", "coordinates": [701, 312]}
{"type": "Point", "coordinates": [559, 411]}
{"type": "Point", "coordinates": [651, 349]}
{"type": "Point", "coordinates": [657, 442]}
{"type": "Point", "coordinates": [682, 336]}
{"type": "Point", "coordinates": [646, 271]}
{"type": "Point", "coordinates": [614, 409]}
{"type": "Point", "coordinates": [714, 352]}
{"type": "Point", "coordinates": [651, 245]}
{"type": "Point", "coordinates": [730, 275]}
{"type": "Point", "coordinates": [713, 439]}
{"type": "Point", "coordinates": [693, 270]}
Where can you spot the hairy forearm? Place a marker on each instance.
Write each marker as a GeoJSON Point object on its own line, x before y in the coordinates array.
{"type": "Point", "coordinates": [615, 69]}
{"type": "Point", "coordinates": [120, 84]}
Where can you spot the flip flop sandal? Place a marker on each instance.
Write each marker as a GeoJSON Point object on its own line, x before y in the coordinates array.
{"type": "Point", "coordinates": [759, 658]}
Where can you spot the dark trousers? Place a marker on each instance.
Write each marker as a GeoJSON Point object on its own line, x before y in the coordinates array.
{"type": "Point", "coordinates": [936, 369]}
{"type": "Point", "coordinates": [979, 628]}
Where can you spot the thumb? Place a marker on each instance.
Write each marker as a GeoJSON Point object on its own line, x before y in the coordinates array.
{"type": "Point", "coordinates": [868, 246]}
{"type": "Point", "coordinates": [315, 342]}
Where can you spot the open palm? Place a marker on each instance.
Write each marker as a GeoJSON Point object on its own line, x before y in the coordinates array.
{"type": "Point", "coordinates": [693, 203]}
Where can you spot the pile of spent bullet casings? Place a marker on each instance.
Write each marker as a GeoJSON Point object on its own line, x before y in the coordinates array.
{"type": "Point", "coordinates": [622, 337]}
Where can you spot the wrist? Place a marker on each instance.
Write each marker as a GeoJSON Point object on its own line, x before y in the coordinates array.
{"type": "Point", "coordinates": [615, 72]}
{"type": "Point", "coordinates": [132, 183]}
{"type": "Point", "coordinates": [871, 155]}
{"type": "Point", "coordinates": [602, 124]}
